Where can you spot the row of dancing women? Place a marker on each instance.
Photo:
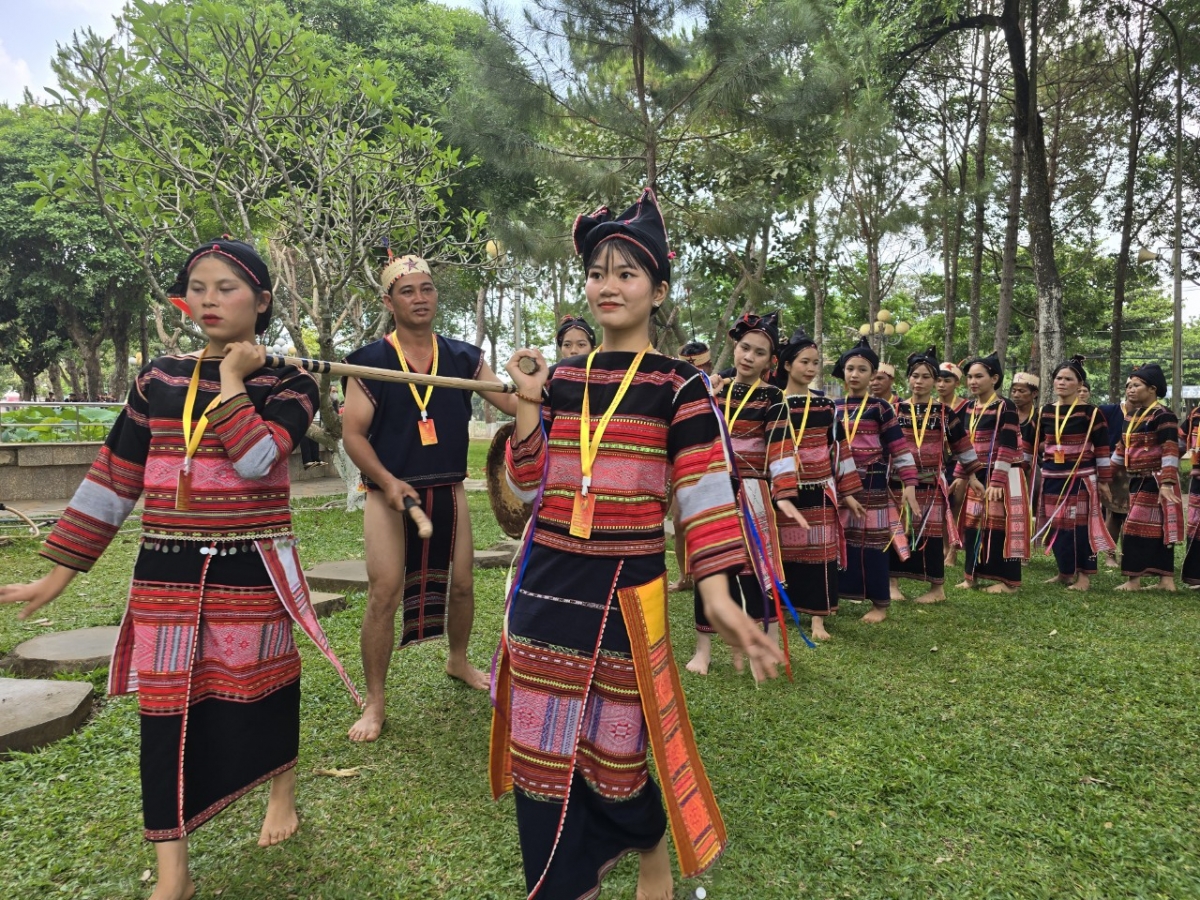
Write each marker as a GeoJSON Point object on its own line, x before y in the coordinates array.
{"type": "Point", "coordinates": [849, 497]}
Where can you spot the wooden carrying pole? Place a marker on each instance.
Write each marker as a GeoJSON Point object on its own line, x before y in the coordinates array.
{"type": "Point", "coordinates": [320, 367]}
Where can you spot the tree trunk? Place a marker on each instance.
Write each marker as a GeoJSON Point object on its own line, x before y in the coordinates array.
{"type": "Point", "coordinates": [54, 373]}
{"type": "Point", "coordinates": [1121, 276]}
{"type": "Point", "coordinates": [73, 379]}
{"type": "Point", "coordinates": [119, 386]}
{"type": "Point", "coordinates": [28, 382]}
{"type": "Point", "coordinates": [817, 288]}
{"type": "Point", "coordinates": [1008, 261]}
{"type": "Point", "coordinates": [480, 308]}
{"type": "Point", "coordinates": [980, 197]}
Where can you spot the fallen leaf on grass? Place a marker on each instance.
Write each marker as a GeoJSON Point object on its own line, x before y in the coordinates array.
{"type": "Point", "coordinates": [954, 681]}
{"type": "Point", "coordinates": [339, 773]}
{"type": "Point", "coordinates": [146, 875]}
{"type": "Point", "coordinates": [1088, 779]}
{"type": "Point", "coordinates": [1054, 632]}
{"type": "Point", "coordinates": [1108, 824]}
{"type": "Point", "coordinates": [42, 622]}
{"type": "Point", "coordinates": [858, 843]}
{"type": "Point", "coordinates": [933, 649]}
{"type": "Point", "coordinates": [940, 860]}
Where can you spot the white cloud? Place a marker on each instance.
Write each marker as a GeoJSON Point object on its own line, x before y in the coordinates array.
{"type": "Point", "coordinates": [14, 76]}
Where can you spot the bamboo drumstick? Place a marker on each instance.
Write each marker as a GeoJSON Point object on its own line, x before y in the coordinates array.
{"type": "Point", "coordinates": [527, 364]}
{"type": "Point", "coordinates": [424, 526]}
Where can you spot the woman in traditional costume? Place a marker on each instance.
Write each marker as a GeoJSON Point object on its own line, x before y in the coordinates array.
{"type": "Point", "coordinates": [1191, 560]}
{"type": "Point", "coordinates": [1069, 445]}
{"type": "Point", "coordinates": [206, 640]}
{"type": "Point", "coordinates": [1149, 451]}
{"type": "Point", "coordinates": [878, 447]}
{"type": "Point", "coordinates": [996, 519]}
{"type": "Point", "coordinates": [745, 402]}
{"type": "Point", "coordinates": [574, 337]}
{"type": "Point", "coordinates": [812, 467]}
{"type": "Point", "coordinates": [585, 679]}
{"type": "Point", "coordinates": [949, 378]}
{"type": "Point", "coordinates": [934, 432]}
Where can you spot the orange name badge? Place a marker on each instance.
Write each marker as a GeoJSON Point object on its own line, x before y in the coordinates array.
{"type": "Point", "coordinates": [428, 432]}
{"type": "Point", "coordinates": [183, 490]}
{"type": "Point", "coordinates": [581, 515]}
{"type": "Point", "coordinates": [1195, 458]}
{"type": "Point", "coordinates": [1059, 457]}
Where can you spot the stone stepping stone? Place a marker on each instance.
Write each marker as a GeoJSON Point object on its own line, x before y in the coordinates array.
{"type": "Point", "coordinates": [34, 713]}
{"type": "Point", "coordinates": [351, 575]}
{"type": "Point", "coordinates": [80, 650]}
{"type": "Point", "coordinates": [338, 577]}
{"type": "Point", "coordinates": [326, 604]}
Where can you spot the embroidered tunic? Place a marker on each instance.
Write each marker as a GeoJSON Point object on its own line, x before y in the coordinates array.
{"type": "Point", "coordinates": [1149, 451]}
{"type": "Point", "coordinates": [586, 680]}
{"type": "Point", "coordinates": [1191, 562]}
{"type": "Point", "coordinates": [1069, 513]}
{"type": "Point", "coordinates": [811, 465]}
{"type": "Point", "coordinates": [215, 586]}
{"type": "Point", "coordinates": [996, 534]}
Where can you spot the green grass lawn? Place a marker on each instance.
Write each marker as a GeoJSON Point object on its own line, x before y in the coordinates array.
{"type": "Point", "coordinates": [1028, 747]}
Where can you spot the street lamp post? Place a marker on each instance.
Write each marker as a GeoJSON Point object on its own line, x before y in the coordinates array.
{"type": "Point", "coordinates": [883, 332]}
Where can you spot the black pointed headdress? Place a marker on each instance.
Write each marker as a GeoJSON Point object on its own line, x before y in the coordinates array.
{"type": "Point", "coordinates": [1075, 364]}
{"type": "Point", "coordinates": [863, 349]}
{"type": "Point", "coordinates": [928, 358]}
{"type": "Point", "coordinates": [768, 325]}
{"type": "Point", "coordinates": [1152, 374]}
{"type": "Point", "coordinates": [991, 362]}
{"type": "Point", "coordinates": [798, 341]}
{"type": "Point", "coordinates": [641, 225]}
{"type": "Point", "coordinates": [569, 322]}
{"type": "Point", "coordinates": [243, 258]}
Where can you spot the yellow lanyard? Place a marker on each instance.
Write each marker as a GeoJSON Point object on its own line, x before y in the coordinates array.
{"type": "Point", "coordinates": [797, 438]}
{"type": "Point", "coordinates": [422, 402]}
{"type": "Point", "coordinates": [1060, 427]}
{"type": "Point", "coordinates": [851, 432]}
{"type": "Point", "coordinates": [191, 440]}
{"type": "Point", "coordinates": [1135, 422]}
{"type": "Point", "coordinates": [920, 432]}
{"type": "Point", "coordinates": [729, 403]}
{"type": "Point", "coordinates": [976, 416]}
{"type": "Point", "coordinates": [589, 446]}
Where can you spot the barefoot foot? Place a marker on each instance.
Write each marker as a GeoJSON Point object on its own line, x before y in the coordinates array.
{"type": "Point", "coordinates": [367, 728]}
{"type": "Point", "coordinates": [466, 673]}
{"type": "Point", "coordinates": [1082, 583]}
{"type": "Point", "coordinates": [281, 821]}
{"type": "Point", "coordinates": [654, 874]}
{"type": "Point", "coordinates": [896, 594]}
{"type": "Point", "coordinates": [1131, 585]}
{"type": "Point", "coordinates": [184, 891]}
{"type": "Point", "coordinates": [1058, 579]}
{"type": "Point", "coordinates": [818, 629]}
{"type": "Point", "coordinates": [683, 584]}
{"type": "Point", "coordinates": [967, 584]}
{"type": "Point", "coordinates": [877, 614]}
{"type": "Point", "coordinates": [999, 588]}
{"type": "Point", "coordinates": [702, 658]}
{"type": "Point", "coordinates": [935, 594]}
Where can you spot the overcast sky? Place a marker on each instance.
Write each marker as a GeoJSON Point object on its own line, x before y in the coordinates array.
{"type": "Point", "coordinates": [30, 30]}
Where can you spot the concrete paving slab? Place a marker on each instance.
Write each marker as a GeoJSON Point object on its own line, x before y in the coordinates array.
{"type": "Point", "coordinates": [34, 713]}
{"type": "Point", "coordinates": [326, 604]}
{"type": "Point", "coordinates": [338, 577]}
{"type": "Point", "coordinates": [80, 650]}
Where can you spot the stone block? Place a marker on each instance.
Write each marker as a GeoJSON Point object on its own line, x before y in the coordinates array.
{"type": "Point", "coordinates": [8, 457]}
{"type": "Point", "coordinates": [80, 650]}
{"type": "Point", "coordinates": [34, 713]}
{"type": "Point", "coordinates": [326, 604]}
{"type": "Point", "coordinates": [338, 577]}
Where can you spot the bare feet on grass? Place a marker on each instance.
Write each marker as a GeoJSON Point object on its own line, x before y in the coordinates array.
{"type": "Point", "coordinates": [367, 728]}
{"type": "Point", "coordinates": [1058, 579]}
{"type": "Point", "coordinates": [458, 667]}
{"type": "Point", "coordinates": [1133, 584]}
{"type": "Point", "coordinates": [174, 879]}
{"type": "Point", "coordinates": [876, 615]}
{"type": "Point", "coordinates": [1165, 583]}
{"type": "Point", "coordinates": [1000, 588]}
{"type": "Point", "coordinates": [935, 594]}
{"type": "Point", "coordinates": [702, 658]}
{"type": "Point", "coordinates": [281, 821]}
{"type": "Point", "coordinates": [818, 629]}
{"type": "Point", "coordinates": [1082, 583]}
{"type": "Point", "coordinates": [967, 584]}
{"type": "Point", "coordinates": [894, 586]}
{"type": "Point", "coordinates": [654, 874]}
